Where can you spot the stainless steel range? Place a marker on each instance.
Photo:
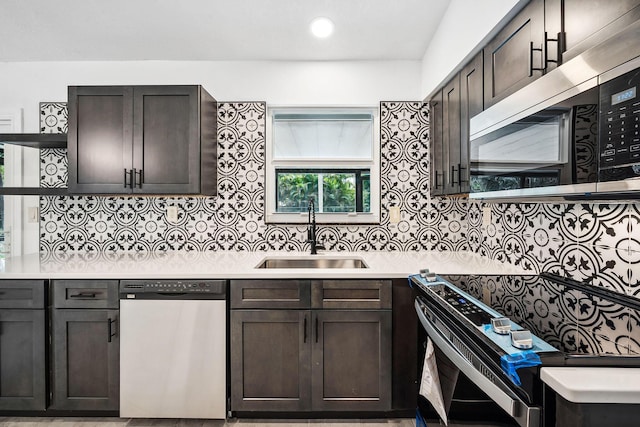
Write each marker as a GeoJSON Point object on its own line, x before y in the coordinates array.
{"type": "Point", "coordinates": [500, 330]}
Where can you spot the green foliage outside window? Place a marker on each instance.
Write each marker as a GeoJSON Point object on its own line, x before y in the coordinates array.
{"type": "Point", "coordinates": [294, 191]}
{"type": "Point", "coordinates": [338, 191]}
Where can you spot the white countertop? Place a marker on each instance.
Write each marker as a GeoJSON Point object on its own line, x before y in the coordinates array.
{"type": "Point", "coordinates": [240, 265]}
{"type": "Point", "coordinates": [594, 385]}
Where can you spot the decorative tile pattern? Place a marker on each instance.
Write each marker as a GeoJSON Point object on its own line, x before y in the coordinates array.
{"type": "Point", "coordinates": [588, 242]}
{"type": "Point", "coordinates": [53, 117]}
{"type": "Point", "coordinates": [571, 320]}
{"type": "Point", "coordinates": [593, 242]}
{"type": "Point", "coordinates": [53, 168]}
{"type": "Point", "coordinates": [234, 220]}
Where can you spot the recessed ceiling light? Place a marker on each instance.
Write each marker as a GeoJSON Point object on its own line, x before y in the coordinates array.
{"type": "Point", "coordinates": [322, 27]}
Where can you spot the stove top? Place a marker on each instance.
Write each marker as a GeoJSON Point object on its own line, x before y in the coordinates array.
{"type": "Point", "coordinates": [576, 318]}
{"type": "Point", "coordinates": [505, 335]}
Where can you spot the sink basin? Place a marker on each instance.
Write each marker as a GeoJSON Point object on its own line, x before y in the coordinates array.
{"type": "Point", "coordinates": [312, 263]}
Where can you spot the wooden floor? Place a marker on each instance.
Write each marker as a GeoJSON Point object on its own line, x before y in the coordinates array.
{"type": "Point", "coordinates": [122, 422]}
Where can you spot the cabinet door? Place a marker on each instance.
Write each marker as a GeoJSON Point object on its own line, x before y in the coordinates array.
{"type": "Point", "coordinates": [22, 360]}
{"type": "Point", "coordinates": [99, 139]}
{"type": "Point", "coordinates": [580, 20]}
{"type": "Point", "coordinates": [270, 360]}
{"type": "Point", "coordinates": [437, 153]}
{"type": "Point", "coordinates": [85, 360]}
{"type": "Point", "coordinates": [471, 104]}
{"type": "Point", "coordinates": [451, 134]}
{"type": "Point", "coordinates": [351, 365]}
{"type": "Point", "coordinates": [513, 58]}
{"type": "Point", "coordinates": [166, 139]}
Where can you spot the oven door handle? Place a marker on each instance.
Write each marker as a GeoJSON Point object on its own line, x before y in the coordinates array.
{"type": "Point", "coordinates": [526, 416]}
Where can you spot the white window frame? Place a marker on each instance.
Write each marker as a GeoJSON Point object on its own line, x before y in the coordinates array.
{"type": "Point", "coordinates": [273, 217]}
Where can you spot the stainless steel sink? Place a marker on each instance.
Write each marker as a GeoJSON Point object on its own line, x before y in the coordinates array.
{"type": "Point", "coordinates": [321, 262]}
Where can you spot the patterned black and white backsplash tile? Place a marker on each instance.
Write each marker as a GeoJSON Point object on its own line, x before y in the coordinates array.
{"type": "Point", "coordinates": [597, 243]}
{"type": "Point", "coordinates": [53, 117]}
{"type": "Point", "coordinates": [570, 320]}
{"type": "Point", "coordinates": [53, 168]}
{"type": "Point", "coordinates": [234, 220]}
{"type": "Point", "coordinates": [587, 242]}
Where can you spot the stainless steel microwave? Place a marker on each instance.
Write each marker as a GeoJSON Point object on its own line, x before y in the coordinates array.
{"type": "Point", "coordinates": [578, 134]}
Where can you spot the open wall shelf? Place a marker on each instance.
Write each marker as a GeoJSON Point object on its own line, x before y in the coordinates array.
{"type": "Point", "coordinates": [35, 140]}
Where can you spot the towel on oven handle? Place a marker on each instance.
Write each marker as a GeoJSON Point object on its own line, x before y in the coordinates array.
{"type": "Point", "coordinates": [430, 386]}
{"type": "Point", "coordinates": [510, 363]}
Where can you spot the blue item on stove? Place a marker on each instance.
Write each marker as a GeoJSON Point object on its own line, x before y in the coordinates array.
{"type": "Point", "coordinates": [510, 363]}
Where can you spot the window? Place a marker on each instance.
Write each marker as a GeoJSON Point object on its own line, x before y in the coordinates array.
{"type": "Point", "coordinates": [328, 154]}
{"type": "Point", "coordinates": [20, 167]}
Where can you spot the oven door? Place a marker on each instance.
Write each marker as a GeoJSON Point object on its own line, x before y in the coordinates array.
{"type": "Point", "coordinates": [476, 369]}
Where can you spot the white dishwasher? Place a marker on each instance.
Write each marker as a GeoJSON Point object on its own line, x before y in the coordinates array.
{"type": "Point", "coordinates": [173, 349]}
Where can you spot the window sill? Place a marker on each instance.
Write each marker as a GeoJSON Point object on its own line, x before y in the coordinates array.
{"type": "Point", "coordinates": [360, 218]}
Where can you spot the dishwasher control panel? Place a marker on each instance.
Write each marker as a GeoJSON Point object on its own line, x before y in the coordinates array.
{"type": "Point", "coordinates": [174, 289]}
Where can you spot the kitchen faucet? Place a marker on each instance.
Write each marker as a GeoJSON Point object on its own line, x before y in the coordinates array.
{"type": "Point", "coordinates": [311, 231]}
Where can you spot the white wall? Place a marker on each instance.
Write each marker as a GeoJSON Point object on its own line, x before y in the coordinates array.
{"type": "Point", "coordinates": [464, 26]}
{"type": "Point", "coordinates": [25, 84]}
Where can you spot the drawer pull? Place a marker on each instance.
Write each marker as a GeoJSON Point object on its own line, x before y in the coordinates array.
{"type": "Point", "coordinates": [83, 295]}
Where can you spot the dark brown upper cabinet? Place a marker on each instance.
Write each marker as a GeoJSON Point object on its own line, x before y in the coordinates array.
{"type": "Point", "coordinates": [514, 57]}
{"type": "Point", "coordinates": [142, 140]}
{"type": "Point", "coordinates": [451, 109]}
{"type": "Point", "coordinates": [582, 24]}
{"type": "Point", "coordinates": [451, 135]}
{"type": "Point", "coordinates": [471, 104]}
{"type": "Point", "coordinates": [436, 153]}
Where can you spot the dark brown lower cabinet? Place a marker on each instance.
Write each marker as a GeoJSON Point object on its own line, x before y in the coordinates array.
{"type": "Point", "coordinates": [22, 360]}
{"type": "Point", "coordinates": [311, 360]}
{"type": "Point", "coordinates": [85, 345]}
{"type": "Point", "coordinates": [270, 360]}
{"type": "Point", "coordinates": [351, 360]}
{"type": "Point", "coordinates": [85, 358]}
{"type": "Point", "coordinates": [22, 345]}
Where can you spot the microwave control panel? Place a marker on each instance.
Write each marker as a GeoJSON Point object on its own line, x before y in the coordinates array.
{"type": "Point", "coordinates": [620, 127]}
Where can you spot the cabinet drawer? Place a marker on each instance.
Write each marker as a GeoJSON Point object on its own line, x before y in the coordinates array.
{"type": "Point", "coordinates": [270, 293]}
{"type": "Point", "coordinates": [22, 294]}
{"type": "Point", "coordinates": [85, 293]}
{"type": "Point", "coordinates": [351, 294]}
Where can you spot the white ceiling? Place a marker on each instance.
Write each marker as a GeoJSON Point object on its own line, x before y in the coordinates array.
{"type": "Point", "coordinates": [209, 30]}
